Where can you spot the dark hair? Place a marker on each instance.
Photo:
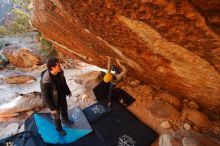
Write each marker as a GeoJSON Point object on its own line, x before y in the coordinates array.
{"type": "Point", "coordinates": [52, 62]}
{"type": "Point", "coordinates": [115, 69]}
{"type": "Point", "coordinates": [101, 75]}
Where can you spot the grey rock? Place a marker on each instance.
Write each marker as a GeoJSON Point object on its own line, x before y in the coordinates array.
{"type": "Point", "coordinates": [190, 141]}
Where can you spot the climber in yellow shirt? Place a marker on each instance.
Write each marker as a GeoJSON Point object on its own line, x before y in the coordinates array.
{"type": "Point", "coordinates": [114, 78]}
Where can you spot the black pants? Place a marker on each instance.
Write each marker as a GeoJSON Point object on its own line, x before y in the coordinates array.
{"type": "Point", "coordinates": [111, 88]}
{"type": "Point", "coordinates": [62, 110]}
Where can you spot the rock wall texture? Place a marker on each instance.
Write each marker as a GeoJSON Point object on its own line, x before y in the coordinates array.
{"type": "Point", "coordinates": [173, 44]}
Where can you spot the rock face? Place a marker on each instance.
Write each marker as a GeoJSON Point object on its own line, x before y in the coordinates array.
{"type": "Point", "coordinates": [173, 44]}
{"type": "Point", "coordinates": [22, 103]}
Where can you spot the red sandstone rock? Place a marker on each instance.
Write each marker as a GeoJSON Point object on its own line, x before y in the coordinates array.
{"type": "Point", "coordinates": [167, 43]}
{"type": "Point", "coordinates": [163, 110]}
{"type": "Point", "coordinates": [198, 118]}
{"type": "Point", "coordinates": [18, 79]}
{"type": "Point", "coordinates": [22, 58]}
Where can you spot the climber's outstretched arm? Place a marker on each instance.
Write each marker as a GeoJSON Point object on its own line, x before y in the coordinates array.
{"type": "Point", "coordinates": [109, 64]}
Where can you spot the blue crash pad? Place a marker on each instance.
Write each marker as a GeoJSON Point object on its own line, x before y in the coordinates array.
{"type": "Point", "coordinates": [47, 130]}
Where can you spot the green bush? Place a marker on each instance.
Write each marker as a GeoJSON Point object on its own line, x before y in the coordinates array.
{"type": "Point", "coordinates": [24, 4]}
{"type": "Point", "coordinates": [21, 25]}
{"type": "Point", "coordinates": [47, 47]}
{"type": "Point", "coordinates": [3, 30]}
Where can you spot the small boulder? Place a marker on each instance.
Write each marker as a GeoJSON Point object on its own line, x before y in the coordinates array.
{"type": "Point", "coordinates": [166, 124]}
{"type": "Point", "coordinates": [187, 138]}
{"type": "Point", "coordinates": [168, 140]}
{"type": "Point", "coordinates": [18, 79]}
{"type": "Point", "coordinates": [216, 130]}
{"type": "Point", "coordinates": [23, 58]}
{"type": "Point", "coordinates": [187, 126]}
{"type": "Point", "coordinates": [198, 118]}
{"type": "Point", "coordinates": [190, 141]}
{"type": "Point", "coordinates": [185, 100]}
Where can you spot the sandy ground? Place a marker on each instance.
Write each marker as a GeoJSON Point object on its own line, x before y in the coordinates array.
{"type": "Point", "coordinates": [82, 74]}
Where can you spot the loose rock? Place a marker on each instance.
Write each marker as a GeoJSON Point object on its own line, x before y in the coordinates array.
{"type": "Point", "coordinates": [198, 118]}
{"type": "Point", "coordinates": [216, 130]}
{"type": "Point", "coordinates": [22, 58]}
{"type": "Point", "coordinates": [190, 141]}
{"type": "Point", "coordinates": [166, 124]}
{"type": "Point", "coordinates": [18, 79]}
{"type": "Point", "coordinates": [168, 140]}
{"type": "Point", "coordinates": [187, 126]}
{"type": "Point", "coordinates": [185, 100]}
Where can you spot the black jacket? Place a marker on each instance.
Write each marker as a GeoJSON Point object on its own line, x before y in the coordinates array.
{"type": "Point", "coordinates": [48, 89]}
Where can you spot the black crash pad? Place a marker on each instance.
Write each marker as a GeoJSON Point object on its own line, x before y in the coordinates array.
{"type": "Point", "coordinates": [122, 97]}
{"type": "Point", "coordinates": [118, 128]}
{"type": "Point", "coordinates": [101, 91]}
{"type": "Point", "coordinates": [96, 111]}
{"type": "Point", "coordinates": [134, 134]}
{"type": "Point", "coordinates": [121, 124]}
{"type": "Point", "coordinates": [110, 125]}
